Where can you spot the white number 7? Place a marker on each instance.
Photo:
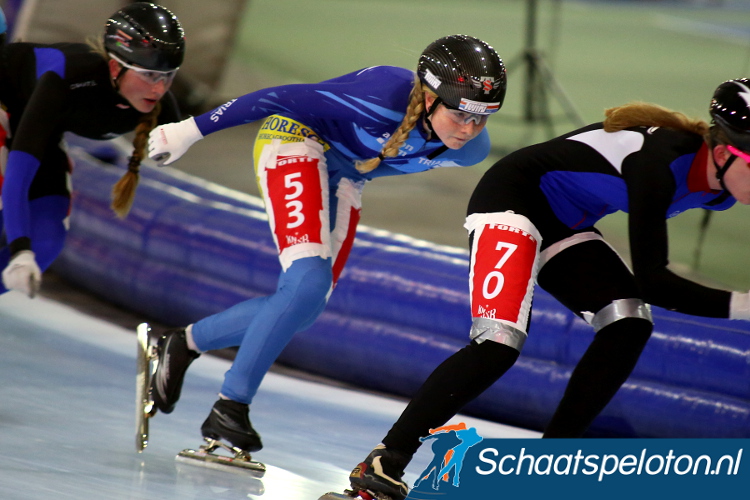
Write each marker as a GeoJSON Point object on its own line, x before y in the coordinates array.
{"type": "Point", "coordinates": [490, 292]}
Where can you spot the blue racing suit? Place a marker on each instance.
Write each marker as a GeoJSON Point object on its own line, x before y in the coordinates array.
{"type": "Point", "coordinates": [351, 116]}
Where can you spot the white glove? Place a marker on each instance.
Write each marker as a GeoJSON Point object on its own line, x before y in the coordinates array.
{"type": "Point", "coordinates": [169, 142]}
{"type": "Point", "coordinates": [23, 274]}
{"type": "Point", "coordinates": [739, 306]}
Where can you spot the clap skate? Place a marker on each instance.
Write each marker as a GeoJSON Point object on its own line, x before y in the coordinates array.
{"type": "Point", "coordinates": [379, 477]}
{"type": "Point", "coordinates": [230, 421]}
{"type": "Point", "coordinates": [146, 361]}
{"type": "Point", "coordinates": [238, 460]}
{"type": "Point", "coordinates": [355, 495]}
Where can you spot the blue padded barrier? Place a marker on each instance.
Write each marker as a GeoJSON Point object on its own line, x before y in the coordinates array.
{"type": "Point", "coordinates": [190, 248]}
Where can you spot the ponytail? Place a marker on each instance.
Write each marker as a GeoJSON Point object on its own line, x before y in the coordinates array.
{"type": "Point", "coordinates": [390, 148]}
{"type": "Point", "coordinates": [637, 114]}
{"type": "Point", "coordinates": [123, 192]}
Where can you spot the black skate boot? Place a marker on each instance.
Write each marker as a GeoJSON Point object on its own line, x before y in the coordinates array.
{"type": "Point", "coordinates": [174, 359]}
{"type": "Point", "coordinates": [229, 420]}
{"type": "Point", "coordinates": [381, 473]}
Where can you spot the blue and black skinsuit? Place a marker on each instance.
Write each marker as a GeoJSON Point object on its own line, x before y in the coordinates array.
{"type": "Point", "coordinates": [48, 90]}
{"type": "Point", "coordinates": [564, 186]}
{"type": "Point", "coordinates": [353, 115]}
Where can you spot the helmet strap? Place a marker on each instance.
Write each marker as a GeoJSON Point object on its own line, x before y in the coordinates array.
{"type": "Point", "coordinates": [429, 112]}
{"type": "Point", "coordinates": [116, 81]}
{"type": "Point", "coordinates": [723, 170]}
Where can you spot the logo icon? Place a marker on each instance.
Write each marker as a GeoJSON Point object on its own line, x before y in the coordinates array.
{"type": "Point", "coordinates": [449, 445]}
{"type": "Point", "coordinates": [486, 83]}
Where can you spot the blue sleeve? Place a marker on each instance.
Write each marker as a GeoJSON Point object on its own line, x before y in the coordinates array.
{"type": "Point", "coordinates": [36, 128]}
{"type": "Point", "coordinates": [22, 168]}
{"type": "Point", "coordinates": [348, 98]}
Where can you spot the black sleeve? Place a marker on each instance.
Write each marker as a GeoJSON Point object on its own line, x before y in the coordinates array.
{"type": "Point", "coordinates": [42, 116]}
{"type": "Point", "coordinates": [650, 190]}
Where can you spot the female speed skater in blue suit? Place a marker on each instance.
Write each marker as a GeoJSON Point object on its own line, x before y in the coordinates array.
{"type": "Point", "coordinates": [318, 146]}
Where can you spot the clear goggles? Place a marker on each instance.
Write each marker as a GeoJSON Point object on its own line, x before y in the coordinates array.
{"type": "Point", "coordinates": [739, 154]}
{"type": "Point", "coordinates": [150, 76]}
{"type": "Point", "coordinates": [463, 118]}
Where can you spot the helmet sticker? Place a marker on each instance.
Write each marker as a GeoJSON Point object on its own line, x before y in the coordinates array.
{"type": "Point", "coordinates": [431, 79]}
{"type": "Point", "coordinates": [745, 95]}
{"type": "Point", "coordinates": [486, 83]}
{"type": "Point", "coordinates": [479, 108]}
{"type": "Point", "coordinates": [122, 38]}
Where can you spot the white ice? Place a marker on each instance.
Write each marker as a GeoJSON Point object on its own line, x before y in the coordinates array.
{"type": "Point", "coordinates": [67, 413]}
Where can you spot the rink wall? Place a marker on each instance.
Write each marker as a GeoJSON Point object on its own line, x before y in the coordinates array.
{"type": "Point", "coordinates": [190, 248]}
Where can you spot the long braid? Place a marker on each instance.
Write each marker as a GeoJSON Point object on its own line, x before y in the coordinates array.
{"type": "Point", "coordinates": [123, 192]}
{"type": "Point", "coordinates": [412, 116]}
{"type": "Point", "coordinates": [647, 114]}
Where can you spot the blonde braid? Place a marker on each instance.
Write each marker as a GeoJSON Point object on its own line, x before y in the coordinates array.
{"type": "Point", "coordinates": [123, 192]}
{"type": "Point", "coordinates": [390, 148]}
{"type": "Point", "coordinates": [645, 114]}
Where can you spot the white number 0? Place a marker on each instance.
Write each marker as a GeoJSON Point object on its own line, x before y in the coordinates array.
{"type": "Point", "coordinates": [496, 276]}
{"type": "Point", "coordinates": [294, 206]}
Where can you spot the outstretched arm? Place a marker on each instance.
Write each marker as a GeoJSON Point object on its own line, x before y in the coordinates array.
{"type": "Point", "coordinates": [649, 199]}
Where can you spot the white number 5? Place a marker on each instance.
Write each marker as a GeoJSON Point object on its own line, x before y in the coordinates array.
{"type": "Point", "coordinates": [295, 206]}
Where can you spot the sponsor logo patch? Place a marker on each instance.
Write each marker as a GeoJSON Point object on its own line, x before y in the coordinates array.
{"type": "Point", "coordinates": [431, 79]}
{"type": "Point", "coordinates": [479, 108]}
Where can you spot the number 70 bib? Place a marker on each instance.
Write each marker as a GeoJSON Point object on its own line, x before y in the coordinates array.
{"type": "Point", "coordinates": [504, 267]}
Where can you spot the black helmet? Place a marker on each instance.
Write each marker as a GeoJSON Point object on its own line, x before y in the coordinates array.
{"type": "Point", "coordinates": [146, 35]}
{"type": "Point", "coordinates": [730, 110]}
{"type": "Point", "coordinates": [465, 73]}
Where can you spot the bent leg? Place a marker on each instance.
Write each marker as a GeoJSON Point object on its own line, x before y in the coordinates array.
{"type": "Point", "coordinates": [504, 258]}
{"type": "Point", "coordinates": [456, 382]}
{"type": "Point", "coordinates": [588, 278]}
{"type": "Point", "coordinates": [299, 299]}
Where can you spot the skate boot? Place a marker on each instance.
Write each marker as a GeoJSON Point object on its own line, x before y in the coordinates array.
{"type": "Point", "coordinates": [229, 420]}
{"type": "Point", "coordinates": [380, 474]}
{"type": "Point", "coordinates": [174, 359]}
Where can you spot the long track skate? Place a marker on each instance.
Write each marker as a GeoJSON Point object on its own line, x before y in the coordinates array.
{"type": "Point", "coordinates": [146, 361]}
{"type": "Point", "coordinates": [239, 460]}
{"type": "Point", "coordinates": [355, 495]}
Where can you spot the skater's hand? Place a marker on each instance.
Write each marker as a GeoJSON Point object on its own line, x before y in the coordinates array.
{"type": "Point", "coordinates": [167, 143]}
{"type": "Point", "coordinates": [23, 274]}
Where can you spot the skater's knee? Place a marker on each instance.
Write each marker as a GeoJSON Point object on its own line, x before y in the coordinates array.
{"type": "Point", "coordinates": [635, 314]}
{"type": "Point", "coordinates": [304, 289]}
{"type": "Point", "coordinates": [307, 280]}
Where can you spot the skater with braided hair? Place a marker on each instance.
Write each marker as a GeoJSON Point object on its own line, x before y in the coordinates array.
{"type": "Point", "coordinates": [99, 91]}
{"type": "Point", "coordinates": [531, 220]}
{"type": "Point", "coordinates": [318, 146]}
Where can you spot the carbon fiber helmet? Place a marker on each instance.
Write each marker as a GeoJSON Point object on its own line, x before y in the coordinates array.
{"type": "Point", "coordinates": [146, 35]}
{"type": "Point", "coordinates": [465, 73]}
{"type": "Point", "coordinates": [730, 110]}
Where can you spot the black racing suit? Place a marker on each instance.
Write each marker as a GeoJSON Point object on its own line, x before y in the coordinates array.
{"type": "Point", "coordinates": [48, 90]}
{"type": "Point", "coordinates": [563, 187]}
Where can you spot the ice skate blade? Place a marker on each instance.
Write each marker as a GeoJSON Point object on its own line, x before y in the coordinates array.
{"type": "Point", "coordinates": [354, 495]}
{"type": "Point", "coordinates": [146, 360]}
{"type": "Point", "coordinates": [219, 478]}
{"type": "Point", "coordinates": [204, 456]}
